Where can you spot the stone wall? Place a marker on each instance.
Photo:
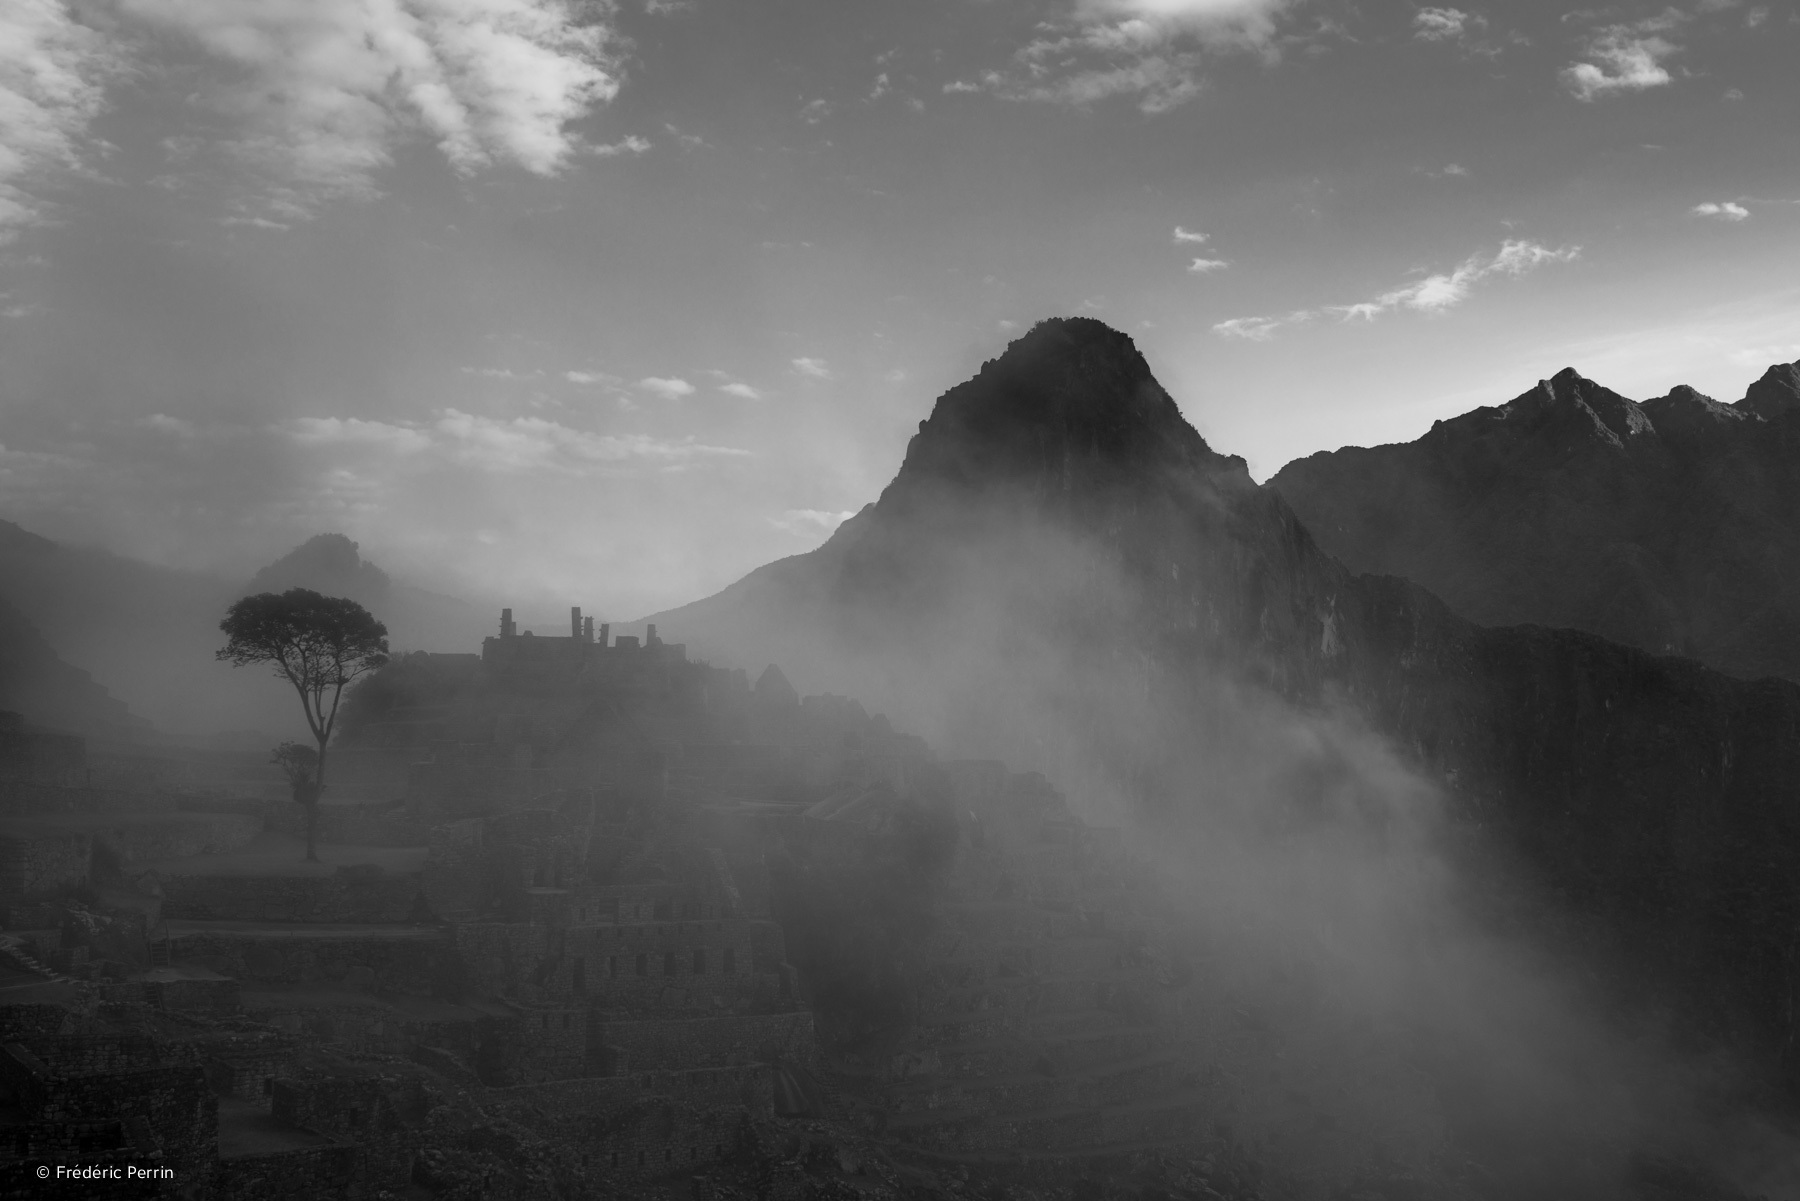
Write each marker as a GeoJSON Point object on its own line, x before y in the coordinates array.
{"type": "Point", "coordinates": [177, 835]}
{"type": "Point", "coordinates": [553, 1045]}
{"type": "Point", "coordinates": [384, 960]}
{"type": "Point", "coordinates": [302, 1172]}
{"type": "Point", "coordinates": [174, 1102]}
{"type": "Point", "coordinates": [498, 957]}
{"type": "Point", "coordinates": [34, 864]}
{"type": "Point", "coordinates": [365, 1111]}
{"type": "Point", "coordinates": [344, 897]}
{"type": "Point", "coordinates": [716, 1042]}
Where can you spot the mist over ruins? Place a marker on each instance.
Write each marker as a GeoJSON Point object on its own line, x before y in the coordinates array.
{"type": "Point", "coordinates": [1016, 600]}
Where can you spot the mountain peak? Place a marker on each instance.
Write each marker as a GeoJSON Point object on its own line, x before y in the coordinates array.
{"type": "Point", "coordinates": [1777, 392]}
{"type": "Point", "coordinates": [1072, 400]}
{"type": "Point", "coordinates": [1612, 417]}
{"type": "Point", "coordinates": [328, 563]}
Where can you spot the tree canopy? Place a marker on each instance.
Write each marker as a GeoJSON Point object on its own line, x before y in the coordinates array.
{"type": "Point", "coordinates": [319, 644]}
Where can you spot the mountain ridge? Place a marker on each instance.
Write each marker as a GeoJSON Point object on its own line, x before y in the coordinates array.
{"type": "Point", "coordinates": [1660, 524]}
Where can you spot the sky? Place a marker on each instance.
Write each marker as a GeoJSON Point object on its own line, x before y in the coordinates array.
{"type": "Point", "coordinates": [609, 303]}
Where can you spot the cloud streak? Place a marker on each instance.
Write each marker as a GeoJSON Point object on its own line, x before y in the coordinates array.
{"type": "Point", "coordinates": [1434, 294]}
{"type": "Point", "coordinates": [319, 93]}
{"type": "Point", "coordinates": [1726, 210]}
{"type": "Point", "coordinates": [53, 76]}
{"type": "Point", "coordinates": [501, 445]}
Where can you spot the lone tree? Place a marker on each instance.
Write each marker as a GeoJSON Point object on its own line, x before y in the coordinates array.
{"type": "Point", "coordinates": [319, 644]}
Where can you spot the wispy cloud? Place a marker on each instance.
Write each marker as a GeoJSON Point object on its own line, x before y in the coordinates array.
{"type": "Point", "coordinates": [501, 445]}
{"type": "Point", "coordinates": [665, 387]}
{"type": "Point", "coordinates": [1432, 294]}
{"type": "Point", "coordinates": [588, 378]}
{"type": "Point", "coordinates": [1148, 50]}
{"type": "Point", "coordinates": [629, 144]}
{"type": "Point", "coordinates": [355, 431]}
{"type": "Point", "coordinates": [320, 92]}
{"type": "Point", "coordinates": [1204, 266]}
{"type": "Point", "coordinates": [812, 368]}
{"type": "Point", "coordinates": [1189, 235]}
{"type": "Point", "coordinates": [740, 390]}
{"type": "Point", "coordinates": [1724, 210]}
{"type": "Point", "coordinates": [53, 76]}
{"type": "Point", "coordinates": [1445, 24]}
{"type": "Point", "coordinates": [1257, 329]}
{"type": "Point", "coordinates": [1624, 58]}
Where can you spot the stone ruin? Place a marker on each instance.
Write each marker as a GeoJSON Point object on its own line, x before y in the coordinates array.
{"type": "Point", "coordinates": [585, 926]}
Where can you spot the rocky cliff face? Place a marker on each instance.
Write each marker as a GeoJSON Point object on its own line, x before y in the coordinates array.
{"type": "Point", "coordinates": [1666, 525]}
{"type": "Point", "coordinates": [1065, 574]}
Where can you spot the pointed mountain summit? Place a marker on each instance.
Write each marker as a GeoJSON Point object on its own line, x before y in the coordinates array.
{"type": "Point", "coordinates": [1072, 403]}
{"type": "Point", "coordinates": [1666, 525]}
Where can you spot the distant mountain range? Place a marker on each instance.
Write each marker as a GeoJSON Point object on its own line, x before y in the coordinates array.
{"type": "Point", "coordinates": [1063, 573]}
{"type": "Point", "coordinates": [1672, 525]}
{"type": "Point", "coordinates": [145, 635]}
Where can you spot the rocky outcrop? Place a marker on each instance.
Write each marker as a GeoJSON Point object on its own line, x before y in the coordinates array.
{"type": "Point", "coordinates": [1666, 525]}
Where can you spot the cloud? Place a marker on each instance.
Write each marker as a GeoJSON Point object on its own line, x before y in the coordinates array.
{"type": "Point", "coordinates": [668, 389]}
{"type": "Point", "coordinates": [1628, 59]}
{"type": "Point", "coordinates": [318, 93]}
{"type": "Point", "coordinates": [164, 424]}
{"type": "Point", "coordinates": [1148, 50]}
{"type": "Point", "coordinates": [354, 431]}
{"type": "Point", "coordinates": [53, 76]}
{"type": "Point", "coordinates": [811, 522]}
{"type": "Point", "coordinates": [585, 378]}
{"type": "Point", "coordinates": [1433, 294]}
{"type": "Point", "coordinates": [1188, 235]}
{"type": "Point", "coordinates": [740, 390]}
{"type": "Point", "coordinates": [500, 444]}
{"type": "Point", "coordinates": [630, 144]}
{"type": "Point", "coordinates": [1227, 22]}
{"type": "Point", "coordinates": [1728, 210]}
{"type": "Point", "coordinates": [1444, 24]}
{"type": "Point", "coordinates": [1255, 329]}
{"type": "Point", "coordinates": [1456, 169]}
{"type": "Point", "coordinates": [534, 443]}
{"type": "Point", "coordinates": [812, 368]}
{"type": "Point", "coordinates": [1206, 266]}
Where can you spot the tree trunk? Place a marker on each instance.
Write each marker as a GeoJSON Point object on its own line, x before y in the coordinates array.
{"type": "Point", "coordinates": [312, 810]}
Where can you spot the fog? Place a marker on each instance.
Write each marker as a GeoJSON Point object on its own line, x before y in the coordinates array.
{"type": "Point", "coordinates": [1376, 986]}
